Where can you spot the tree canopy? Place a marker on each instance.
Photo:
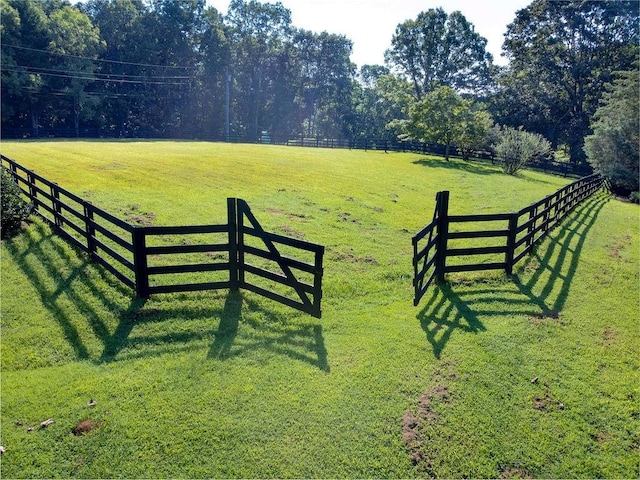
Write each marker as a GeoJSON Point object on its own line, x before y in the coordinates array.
{"type": "Point", "coordinates": [180, 68]}
{"type": "Point", "coordinates": [614, 147]}
{"type": "Point", "coordinates": [437, 49]}
{"type": "Point", "coordinates": [561, 56]}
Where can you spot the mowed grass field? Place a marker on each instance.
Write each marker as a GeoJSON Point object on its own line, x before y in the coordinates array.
{"type": "Point", "coordinates": [535, 375]}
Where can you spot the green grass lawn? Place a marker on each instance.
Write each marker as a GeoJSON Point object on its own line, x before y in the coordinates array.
{"type": "Point", "coordinates": [214, 384]}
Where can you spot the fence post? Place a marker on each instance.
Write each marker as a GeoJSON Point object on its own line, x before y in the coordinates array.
{"type": "Point", "coordinates": [317, 282]}
{"type": "Point", "coordinates": [232, 221]}
{"type": "Point", "coordinates": [532, 214]}
{"type": "Point", "coordinates": [55, 203]}
{"type": "Point", "coordinates": [88, 227]}
{"type": "Point", "coordinates": [511, 243]}
{"type": "Point", "coordinates": [138, 237]}
{"type": "Point", "coordinates": [32, 189]}
{"type": "Point", "coordinates": [442, 205]}
{"type": "Point", "coordinates": [240, 206]}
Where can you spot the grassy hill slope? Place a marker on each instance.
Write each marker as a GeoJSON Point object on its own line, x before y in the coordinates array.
{"type": "Point", "coordinates": [221, 385]}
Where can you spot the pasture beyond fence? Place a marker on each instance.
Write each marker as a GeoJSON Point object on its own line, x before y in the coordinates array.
{"type": "Point", "coordinates": [513, 234]}
{"type": "Point", "coordinates": [153, 259]}
{"type": "Point", "coordinates": [391, 144]}
{"type": "Point", "coordinates": [241, 254]}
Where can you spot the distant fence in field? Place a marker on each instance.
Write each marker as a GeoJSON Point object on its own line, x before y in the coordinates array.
{"type": "Point", "coordinates": [361, 143]}
{"type": "Point", "coordinates": [153, 259]}
{"type": "Point", "coordinates": [514, 234]}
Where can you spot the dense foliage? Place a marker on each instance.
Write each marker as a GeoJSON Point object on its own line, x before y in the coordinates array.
{"type": "Point", "coordinates": [14, 209]}
{"type": "Point", "coordinates": [614, 147]}
{"type": "Point", "coordinates": [442, 116]}
{"type": "Point", "coordinates": [516, 147]}
{"type": "Point", "coordinates": [181, 69]}
{"type": "Point", "coordinates": [439, 49]}
{"type": "Point", "coordinates": [561, 55]}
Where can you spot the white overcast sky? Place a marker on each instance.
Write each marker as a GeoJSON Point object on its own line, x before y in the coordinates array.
{"type": "Point", "coordinates": [370, 24]}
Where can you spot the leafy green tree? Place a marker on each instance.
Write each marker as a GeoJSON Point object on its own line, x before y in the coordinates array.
{"type": "Point", "coordinates": [613, 150]}
{"type": "Point", "coordinates": [257, 33]}
{"type": "Point", "coordinates": [25, 37]}
{"type": "Point", "coordinates": [122, 29]}
{"type": "Point", "coordinates": [368, 118]}
{"type": "Point", "coordinates": [516, 147]}
{"type": "Point", "coordinates": [443, 116]}
{"type": "Point", "coordinates": [437, 49]}
{"type": "Point", "coordinates": [76, 41]}
{"type": "Point", "coordinates": [329, 76]}
{"type": "Point", "coordinates": [561, 55]}
{"type": "Point", "coordinates": [475, 127]}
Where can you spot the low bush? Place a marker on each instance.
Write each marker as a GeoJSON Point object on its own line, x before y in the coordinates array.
{"type": "Point", "coordinates": [517, 147]}
{"type": "Point", "coordinates": [14, 209]}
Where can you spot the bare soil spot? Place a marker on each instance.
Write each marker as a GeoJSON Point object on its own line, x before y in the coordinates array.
{"type": "Point", "coordinates": [351, 257]}
{"type": "Point", "coordinates": [515, 472]}
{"type": "Point", "coordinates": [602, 437]}
{"type": "Point", "coordinates": [85, 427]}
{"type": "Point", "coordinates": [549, 316]}
{"type": "Point", "coordinates": [135, 216]}
{"type": "Point", "coordinates": [609, 336]}
{"type": "Point", "coordinates": [413, 422]}
{"type": "Point", "coordinates": [346, 217]}
{"type": "Point", "coordinates": [287, 230]}
{"type": "Point", "coordinates": [618, 245]}
{"type": "Point", "coordinates": [546, 402]}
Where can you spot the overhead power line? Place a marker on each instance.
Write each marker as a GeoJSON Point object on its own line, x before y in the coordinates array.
{"type": "Point", "coordinates": [110, 76]}
{"type": "Point", "coordinates": [97, 59]}
{"type": "Point", "coordinates": [90, 77]}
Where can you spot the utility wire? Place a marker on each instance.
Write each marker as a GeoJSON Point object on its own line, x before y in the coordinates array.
{"type": "Point", "coordinates": [111, 76]}
{"type": "Point", "coordinates": [96, 59]}
{"type": "Point", "coordinates": [91, 78]}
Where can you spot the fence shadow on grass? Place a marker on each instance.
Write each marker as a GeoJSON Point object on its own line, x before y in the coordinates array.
{"type": "Point", "coordinates": [75, 290]}
{"type": "Point", "coordinates": [541, 294]}
{"type": "Point", "coordinates": [266, 331]}
{"type": "Point", "coordinates": [37, 252]}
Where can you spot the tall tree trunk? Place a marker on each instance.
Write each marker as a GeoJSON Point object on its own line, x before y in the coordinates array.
{"type": "Point", "coordinates": [34, 121]}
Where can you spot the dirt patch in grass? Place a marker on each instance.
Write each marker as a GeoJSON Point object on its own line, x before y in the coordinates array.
{"type": "Point", "coordinates": [279, 211]}
{"type": "Point", "coordinates": [287, 230]}
{"type": "Point", "coordinates": [545, 402]}
{"type": "Point", "coordinates": [601, 437]}
{"type": "Point", "coordinates": [135, 216]}
{"type": "Point", "coordinates": [617, 245]}
{"type": "Point", "coordinates": [549, 316]}
{"type": "Point", "coordinates": [85, 427]}
{"type": "Point", "coordinates": [346, 217]}
{"type": "Point", "coordinates": [609, 336]}
{"type": "Point", "coordinates": [413, 423]}
{"type": "Point", "coordinates": [514, 472]}
{"type": "Point", "coordinates": [351, 257]}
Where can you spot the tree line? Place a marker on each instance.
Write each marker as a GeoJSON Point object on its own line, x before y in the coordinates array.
{"type": "Point", "coordinates": [180, 69]}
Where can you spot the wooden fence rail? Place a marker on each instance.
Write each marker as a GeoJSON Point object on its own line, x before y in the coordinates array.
{"type": "Point", "coordinates": [513, 235]}
{"type": "Point", "coordinates": [126, 251]}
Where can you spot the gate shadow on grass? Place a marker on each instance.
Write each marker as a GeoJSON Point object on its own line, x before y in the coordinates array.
{"type": "Point", "coordinates": [301, 342]}
{"type": "Point", "coordinates": [101, 321]}
{"type": "Point", "coordinates": [540, 295]}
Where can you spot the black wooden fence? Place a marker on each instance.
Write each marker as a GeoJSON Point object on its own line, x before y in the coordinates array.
{"type": "Point", "coordinates": [512, 235]}
{"type": "Point", "coordinates": [153, 259]}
